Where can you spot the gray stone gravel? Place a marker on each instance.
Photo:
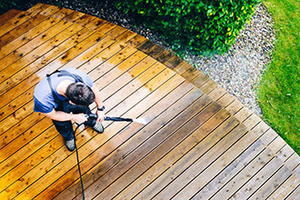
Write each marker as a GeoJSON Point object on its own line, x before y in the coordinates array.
{"type": "Point", "coordinates": [238, 71]}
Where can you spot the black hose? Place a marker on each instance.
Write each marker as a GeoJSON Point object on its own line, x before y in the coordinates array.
{"type": "Point", "coordinates": [77, 156]}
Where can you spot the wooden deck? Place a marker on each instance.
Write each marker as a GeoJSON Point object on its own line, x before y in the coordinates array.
{"type": "Point", "coordinates": [199, 142]}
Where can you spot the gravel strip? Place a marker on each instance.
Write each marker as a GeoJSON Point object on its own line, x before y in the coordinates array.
{"type": "Point", "coordinates": [238, 71]}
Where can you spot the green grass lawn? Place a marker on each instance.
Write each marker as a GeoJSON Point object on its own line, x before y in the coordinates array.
{"type": "Point", "coordinates": [280, 86]}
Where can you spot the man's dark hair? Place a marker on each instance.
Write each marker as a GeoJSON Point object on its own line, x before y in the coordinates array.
{"type": "Point", "coordinates": [80, 94]}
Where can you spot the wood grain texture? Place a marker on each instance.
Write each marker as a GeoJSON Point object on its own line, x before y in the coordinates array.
{"type": "Point", "coordinates": [199, 142]}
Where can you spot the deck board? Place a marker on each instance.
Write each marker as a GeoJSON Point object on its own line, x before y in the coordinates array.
{"type": "Point", "coordinates": [34, 32]}
{"type": "Point", "coordinates": [8, 15]}
{"type": "Point", "coordinates": [199, 141]}
{"type": "Point", "coordinates": [21, 18]}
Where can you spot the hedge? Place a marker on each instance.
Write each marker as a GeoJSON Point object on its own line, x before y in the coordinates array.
{"type": "Point", "coordinates": [207, 26]}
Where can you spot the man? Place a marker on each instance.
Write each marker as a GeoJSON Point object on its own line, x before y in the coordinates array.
{"type": "Point", "coordinates": [65, 96]}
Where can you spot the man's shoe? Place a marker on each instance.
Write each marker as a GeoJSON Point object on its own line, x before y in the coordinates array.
{"type": "Point", "coordinates": [70, 144]}
{"type": "Point", "coordinates": [98, 127]}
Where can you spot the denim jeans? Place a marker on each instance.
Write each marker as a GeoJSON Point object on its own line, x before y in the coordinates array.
{"type": "Point", "coordinates": [65, 128]}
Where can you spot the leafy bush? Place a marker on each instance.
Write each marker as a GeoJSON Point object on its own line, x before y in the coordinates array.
{"type": "Point", "coordinates": [197, 25]}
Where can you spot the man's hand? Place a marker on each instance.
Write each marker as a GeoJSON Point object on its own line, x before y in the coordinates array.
{"type": "Point", "coordinates": [79, 118]}
{"type": "Point", "coordinates": [100, 115]}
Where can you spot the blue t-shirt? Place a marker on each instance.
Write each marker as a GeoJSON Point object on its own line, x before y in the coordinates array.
{"type": "Point", "coordinates": [43, 98]}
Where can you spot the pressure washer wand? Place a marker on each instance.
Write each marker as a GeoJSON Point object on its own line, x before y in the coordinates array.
{"type": "Point", "coordinates": [93, 116]}
{"type": "Point", "coordinates": [121, 119]}
{"type": "Point", "coordinates": [118, 119]}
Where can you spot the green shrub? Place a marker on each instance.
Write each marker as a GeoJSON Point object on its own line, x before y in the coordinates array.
{"type": "Point", "coordinates": [209, 26]}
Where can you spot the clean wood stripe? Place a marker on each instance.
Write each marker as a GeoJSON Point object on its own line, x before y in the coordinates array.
{"type": "Point", "coordinates": [217, 93]}
{"type": "Point", "coordinates": [208, 86]}
{"type": "Point", "coordinates": [124, 79]}
{"type": "Point", "coordinates": [226, 99]}
{"type": "Point", "coordinates": [108, 77]}
{"type": "Point", "coordinates": [134, 85]}
{"type": "Point", "coordinates": [182, 68]}
{"type": "Point", "coordinates": [142, 92]}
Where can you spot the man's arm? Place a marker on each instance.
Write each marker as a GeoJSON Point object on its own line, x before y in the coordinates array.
{"type": "Point", "coordinates": [99, 103]}
{"type": "Point", "coordinates": [62, 116]}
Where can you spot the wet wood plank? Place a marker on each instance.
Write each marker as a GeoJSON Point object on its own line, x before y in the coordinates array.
{"type": "Point", "coordinates": [20, 18]}
{"type": "Point", "coordinates": [49, 133]}
{"type": "Point", "coordinates": [33, 33]}
{"type": "Point", "coordinates": [26, 26]}
{"type": "Point", "coordinates": [8, 15]}
{"type": "Point", "coordinates": [48, 64]}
